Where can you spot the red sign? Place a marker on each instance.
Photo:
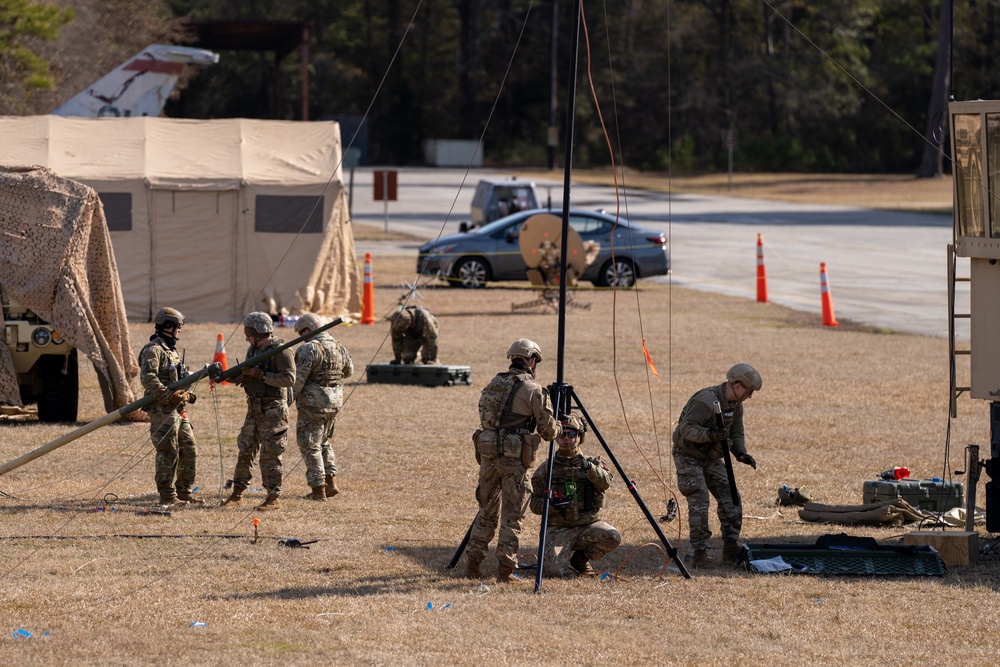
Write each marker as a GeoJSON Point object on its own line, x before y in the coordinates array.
{"type": "Point", "coordinates": [385, 184]}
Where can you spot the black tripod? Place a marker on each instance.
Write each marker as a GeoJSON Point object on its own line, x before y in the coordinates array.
{"type": "Point", "coordinates": [563, 396]}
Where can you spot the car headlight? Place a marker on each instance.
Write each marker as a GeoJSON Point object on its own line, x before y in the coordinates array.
{"type": "Point", "coordinates": [41, 337]}
{"type": "Point", "coordinates": [57, 339]}
{"type": "Point", "coordinates": [441, 250]}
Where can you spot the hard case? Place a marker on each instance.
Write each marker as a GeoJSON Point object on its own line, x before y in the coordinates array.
{"type": "Point", "coordinates": [931, 495]}
{"type": "Point", "coordinates": [424, 376]}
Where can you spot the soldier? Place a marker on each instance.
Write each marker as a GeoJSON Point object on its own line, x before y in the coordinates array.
{"type": "Point", "coordinates": [265, 428]}
{"type": "Point", "coordinates": [176, 450]}
{"type": "Point", "coordinates": [576, 535]}
{"type": "Point", "coordinates": [698, 453]}
{"type": "Point", "coordinates": [413, 328]}
{"type": "Point", "coordinates": [511, 408]}
{"type": "Point", "coordinates": [320, 366]}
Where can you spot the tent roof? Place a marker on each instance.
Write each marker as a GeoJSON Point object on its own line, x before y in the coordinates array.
{"type": "Point", "coordinates": [172, 153]}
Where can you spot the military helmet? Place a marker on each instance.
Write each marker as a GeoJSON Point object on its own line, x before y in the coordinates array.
{"type": "Point", "coordinates": [746, 375]}
{"type": "Point", "coordinates": [259, 322]}
{"type": "Point", "coordinates": [523, 347]}
{"type": "Point", "coordinates": [307, 321]}
{"type": "Point", "coordinates": [168, 316]}
{"type": "Point", "coordinates": [574, 423]}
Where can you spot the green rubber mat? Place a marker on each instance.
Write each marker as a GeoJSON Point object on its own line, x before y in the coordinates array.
{"type": "Point", "coordinates": [844, 555]}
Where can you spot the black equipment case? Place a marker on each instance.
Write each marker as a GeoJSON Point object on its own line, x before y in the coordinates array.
{"type": "Point", "coordinates": [425, 376]}
{"type": "Point", "coordinates": [930, 495]}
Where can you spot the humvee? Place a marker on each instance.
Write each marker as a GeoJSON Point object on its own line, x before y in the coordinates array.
{"type": "Point", "coordinates": [46, 365]}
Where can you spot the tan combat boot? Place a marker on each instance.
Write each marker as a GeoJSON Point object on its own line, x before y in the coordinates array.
{"type": "Point", "coordinates": [505, 574]}
{"type": "Point", "coordinates": [270, 503]}
{"type": "Point", "coordinates": [168, 500]}
{"type": "Point", "coordinates": [235, 498]}
{"type": "Point", "coordinates": [317, 493]}
{"type": "Point", "coordinates": [701, 559]}
{"type": "Point", "coordinates": [187, 497]}
{"type": "Point", "coordinates": [472, 570]}
{"type": "Point", "coordinates": [331, 486]}
{"type": "Point", "coordinates": [730, 551]}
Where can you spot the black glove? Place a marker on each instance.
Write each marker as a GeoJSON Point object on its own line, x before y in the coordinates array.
{"type": "Point", "coordinates": [254, 373]}
{"type": "Point", "coordinates": [748, 460]}
{"type": "Point", "coordinates": [717, 435]}
{"type": "Point", "coordinates": [191, 397]}
{"type": "Point", "coordinates": [581, 461]}
{"type": "Point", "coordinates": [394, 362]}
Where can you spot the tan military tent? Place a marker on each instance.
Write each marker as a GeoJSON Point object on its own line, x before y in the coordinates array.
{"type": "Point", "coordinates": [213, 217]}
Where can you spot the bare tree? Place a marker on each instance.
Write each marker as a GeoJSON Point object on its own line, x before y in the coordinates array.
{"type": "Point", "coordinates": [932, 160]}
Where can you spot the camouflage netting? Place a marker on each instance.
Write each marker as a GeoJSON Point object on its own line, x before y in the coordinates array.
{"type": "Point", "coordinates": [56, 259]}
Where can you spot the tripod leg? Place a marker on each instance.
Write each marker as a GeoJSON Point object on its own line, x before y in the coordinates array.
{"type": "Point", "coordinates": [559, 394]}
{"type": "Point", "coordinates": [671, 549]}
{"type": "Point", "coordinates": [461, 547]}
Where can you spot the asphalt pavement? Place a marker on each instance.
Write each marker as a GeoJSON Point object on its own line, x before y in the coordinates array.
{"type": "Point", "coordinates": [885, 268]}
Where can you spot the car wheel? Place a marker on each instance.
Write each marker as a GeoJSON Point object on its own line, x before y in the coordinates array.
{"type": "Point", "coordinates": [60, 393]}
{"type": "Point", "coordinates": [470, 272]}
{"type": "Point", "coordinates": [621, 272]}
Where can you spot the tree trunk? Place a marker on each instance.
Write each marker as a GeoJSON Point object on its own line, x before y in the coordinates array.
{"type": "Point", "coordinates": [932, 161]}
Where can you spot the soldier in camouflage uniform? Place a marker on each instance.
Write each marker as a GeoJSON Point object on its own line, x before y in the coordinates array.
{"type": "Point", "coordinates": [576, 535]}
{"type": "Point", "coordinates": [176, 450]}
{"type": "Point", "coordinates": [413, 328]}
{"type": "Point", "coordinates": [265, 429]}
{"type": "Point", "coordinates": [698, 453]}
{"type": "Point", "coordinates": [511, 408]}
{"type": "Point", "coordinates": [320, 366]}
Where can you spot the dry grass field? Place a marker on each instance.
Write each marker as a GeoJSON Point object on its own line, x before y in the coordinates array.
{"type": "Point", "coordinates": [100, 583]}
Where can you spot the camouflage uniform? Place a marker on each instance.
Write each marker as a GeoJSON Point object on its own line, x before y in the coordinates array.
{"type": "Point", "coordinates": [320, 365]}
{"type": "Point", "coordinates": [169, 428]}
{"type": "Point", "coordinates": [414, 327]}
{"type": "Point", "coordinates": [511, 407]}
{"type": "Point", "coordinates": [265, 428]}
{"type": "Point", "coordinates": [700, 467]}
{"type": "Point", "coordinates": [574, 522]}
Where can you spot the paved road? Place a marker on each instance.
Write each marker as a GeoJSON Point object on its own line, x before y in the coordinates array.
{"type": "Point", "coordinates": [887, 269]}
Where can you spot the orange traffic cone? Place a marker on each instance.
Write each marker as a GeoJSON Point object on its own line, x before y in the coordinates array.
{"type": "Point", "coordinates": [368, 297]}
{"type": "Point", "coordinates": [761, 274]}
{"type": "Point", "coordinates": [829, 319]}
{"type": "Point", "coordinates": [220, 355]}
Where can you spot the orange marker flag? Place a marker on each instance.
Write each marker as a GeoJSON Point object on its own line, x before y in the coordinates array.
{"type": "Point", "coordinates": [649, 359]}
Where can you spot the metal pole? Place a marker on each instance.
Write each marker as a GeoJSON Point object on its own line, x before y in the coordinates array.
{"type": "Point", "coordinates": [971, 479]}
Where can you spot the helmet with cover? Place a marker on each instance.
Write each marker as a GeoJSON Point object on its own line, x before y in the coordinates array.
{"type": "Point", "coordinates": [307, 321]}
{"type": "Point", "coordinates": [746, 375]}
{"type": "Point", "coordinates": [524, 348]}
{"type": "Point", "coordinates": [258, 323]}
{"type": "Point", "coordinates": [167, 317]}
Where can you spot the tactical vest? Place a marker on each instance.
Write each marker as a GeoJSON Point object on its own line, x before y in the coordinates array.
{"type": "Point", "coordinates": [585, 501]}
{"type": "Point", "coordinates": [418, 323]}
{"type": "Point", "coordinates": [496, 399]}
{"type": "Point", "coordinates": [330, 369]}
{"type": "Point", "coordinates": [257, 388]}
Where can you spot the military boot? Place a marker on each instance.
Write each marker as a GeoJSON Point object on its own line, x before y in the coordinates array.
{"type": "Point", "coordinates": [187, 497]}
{"type": "Point", "coordinates": [235, 498]}
{"type": "Point", "coordinates": [730, 552]}
{"type": "Point", "coordinates": [270, 503]}
{"type": "Point", "coordinates": [169, 499]}
{"type": "Point", "coordinates": [581, 564]}
{"type": "Point", "coordinates": [505, 574]}
{"type": "Point", "coordinates": [472, 570]}
{"type": "Point", "coordinates": [317, 493]}
{"type": "Point", "coordinates": [701, 559]}
{"type": "Point", "coordinates": [331, 486]}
